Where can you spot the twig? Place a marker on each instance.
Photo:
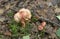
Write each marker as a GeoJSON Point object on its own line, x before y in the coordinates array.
{"type": "Point", "coordinates": [40, 18]}
{"type": "Point", "coordinates": [49, 21]}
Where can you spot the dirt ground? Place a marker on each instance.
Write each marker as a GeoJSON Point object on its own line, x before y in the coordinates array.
{"type": "Point", "coordinates": [48, 9]}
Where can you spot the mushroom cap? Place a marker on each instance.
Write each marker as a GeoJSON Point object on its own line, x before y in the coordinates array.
{"type": "Point", "coordinates": [17, 17]}
{"type": "Point", "coordinates": [26, 13]}
{"type": "Point", "coordinates": [40, 27]}
{"type": "Point", "coordinates": [22, 12]}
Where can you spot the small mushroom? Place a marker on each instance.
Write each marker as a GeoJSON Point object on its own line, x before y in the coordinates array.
{"type": "Point", "coordinates": [41, 26]}
{"type": "Point", "coordinates": [22, 15]}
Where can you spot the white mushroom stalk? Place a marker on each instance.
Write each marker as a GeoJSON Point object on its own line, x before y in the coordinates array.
{"type": "Point", "coordinates": [22, 15]}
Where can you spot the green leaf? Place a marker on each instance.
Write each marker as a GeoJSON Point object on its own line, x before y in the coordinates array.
{"type": "Point", "coordinates": [58, 17]}
{"type": "Point", "coordinates": [26, 37]}
{"type": "Point", "coordinates": [58, 32]}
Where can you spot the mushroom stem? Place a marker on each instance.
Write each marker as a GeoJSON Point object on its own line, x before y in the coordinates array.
{"type": "Point", "coordinates": [23, 23]}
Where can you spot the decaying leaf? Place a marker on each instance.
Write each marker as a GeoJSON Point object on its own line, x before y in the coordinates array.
{"type": "Point", "coordinates": [7, 33]}
{"type": "Point", "coordinates": [57, 10]}
{"type": "Point", "coordinates": [58, 17]}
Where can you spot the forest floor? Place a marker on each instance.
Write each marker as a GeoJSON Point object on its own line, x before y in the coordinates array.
{"type": "Point", "coordinates": [45, 10]}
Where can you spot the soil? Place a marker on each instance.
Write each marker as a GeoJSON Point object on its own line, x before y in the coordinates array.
{"type": "Point", "coordinates": [40, 8]}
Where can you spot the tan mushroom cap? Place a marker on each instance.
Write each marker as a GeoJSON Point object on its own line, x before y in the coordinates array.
{"type": "Point", "coordinates": [26, 14]}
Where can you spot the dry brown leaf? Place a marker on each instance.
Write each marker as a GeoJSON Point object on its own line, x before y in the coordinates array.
{"type": "Point", "coordinates": [7, 33]}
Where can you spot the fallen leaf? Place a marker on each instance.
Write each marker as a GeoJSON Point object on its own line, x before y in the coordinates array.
{"type": "Point", "coordinates": [1, 11]}
{"type": "Point", "coordinates": [58, 32]}
{"type": "Point", "coordinates": [58, 17]}
{"type": "Point", "coordinates": [57, 10]}
{"type": "Point", "coordinates": [26, 37]}
{"type": "Point", "coordinates": [7, 33]}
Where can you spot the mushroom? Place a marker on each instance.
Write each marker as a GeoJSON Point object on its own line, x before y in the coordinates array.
{"type": "Point", "coordinates": [22, 15]}
{"type": "Point", "coordinates": [41, 26]}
